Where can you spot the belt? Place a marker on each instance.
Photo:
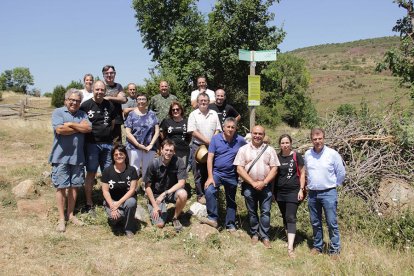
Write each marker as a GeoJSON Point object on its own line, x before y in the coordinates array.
{"type": "Point", "coordinates": [322, 190]}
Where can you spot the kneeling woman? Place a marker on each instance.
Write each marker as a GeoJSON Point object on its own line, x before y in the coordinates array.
{"type": "Point", "coordinates": [118, 187]}
{"type": "Point", "coordinates": [289, 187]}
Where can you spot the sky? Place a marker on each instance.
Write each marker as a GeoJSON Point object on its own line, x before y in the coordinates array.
{"type": "Point", "coordinates": [60, 41]}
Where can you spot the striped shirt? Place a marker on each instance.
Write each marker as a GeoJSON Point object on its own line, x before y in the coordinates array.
{"type": "Point", "coordinates": [248, 153]}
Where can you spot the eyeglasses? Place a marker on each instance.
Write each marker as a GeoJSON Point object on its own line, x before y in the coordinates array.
{"type": "Point", "coordinates": [109, 74]}
{"type": "Point", "coordinates": [74, 101]}
{"type": "Point", "coordinates": [175, 109]}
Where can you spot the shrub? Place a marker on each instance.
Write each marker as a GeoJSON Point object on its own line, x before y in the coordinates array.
{"type": "Point", "coordinates": [58, 96]}
{"type": "Point", "coordinates": [47, 94]}
{"type": "Point", "coordinates": [346, 110]}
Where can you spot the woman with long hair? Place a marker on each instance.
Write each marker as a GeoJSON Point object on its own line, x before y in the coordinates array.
{"type": "Point", "coordinates": [289, 187]}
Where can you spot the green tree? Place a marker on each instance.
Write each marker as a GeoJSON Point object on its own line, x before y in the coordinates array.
{"type": "Point", "coordinates": [400, 61]}
{"type": "Point", "coordinates": [58, 96]}
{"type": "Point", "coordinates": [286, 82]}
{"type": "Point", "coordinates": [21, 79]}
{"type": "Point", "coordinates": [6, 80]}
{"type": "Point", "coordinates": [75, 84]}
{"type": "Point", "coordinates": [186, 45]}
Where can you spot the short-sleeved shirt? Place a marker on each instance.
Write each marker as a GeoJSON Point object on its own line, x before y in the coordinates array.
{"type": "Point", "coordinates": [101, 116]}
{"type": "Point", "coordinates": [113, 92]}
{"type": "Point", "coordinates": [131, 102]}
{"type": "Point", "coordinates": [162, 177]}
{"type": "Point", "coordinates": [205, 124]}
{"type": "Point", "coordinates": [161, 105]}
{"type": "Point", "coordinates": [67, 149]}
{"type": "Point", "coordinates": [287, 182]}
{"type": "Point", "coordinates": [224, 154]}
{"type": "Point", "coordinates": [119, 183]}
{"type": "Point", "coordinates": [248, 153]}
{"type": "Point", "coordinates": [142, 127]}
{"type": "Point", "coordinates": [177, 132]}
{"type": "Point", "coordinates": [224, 111]}
{"type": "Point", "coordinates": [209, 92]}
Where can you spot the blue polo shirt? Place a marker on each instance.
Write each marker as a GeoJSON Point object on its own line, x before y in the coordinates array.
{"type": "Point", "coordinates": [67, 149]}
{"type": "Point", "coordinates": [224, 154]}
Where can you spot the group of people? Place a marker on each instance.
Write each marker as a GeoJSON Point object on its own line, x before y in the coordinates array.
{"type": "Point", "coordinates": [161, 143]}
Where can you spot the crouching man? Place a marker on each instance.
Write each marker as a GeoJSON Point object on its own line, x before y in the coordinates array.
{"type": "Point", "coordinates": [164, 183]}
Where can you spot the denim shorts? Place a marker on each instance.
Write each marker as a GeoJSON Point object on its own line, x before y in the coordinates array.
{"type": "Point", "coordinates": [67, 176]}
{"type": "Point", "coordinates": [97, 155]}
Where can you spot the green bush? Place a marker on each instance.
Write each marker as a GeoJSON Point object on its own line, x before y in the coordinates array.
{"type": "Point", "coordinates": [346, 110]}
{"type": "Point", "coordinates": [58, 96]}
{"type": "Point", "coordinates": [48, 95]}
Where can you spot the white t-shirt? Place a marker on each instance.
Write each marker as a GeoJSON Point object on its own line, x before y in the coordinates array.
{"type": "Point", "coordinates": [209, 92]}
{"type": "Point", "coordinates": [86, 95]}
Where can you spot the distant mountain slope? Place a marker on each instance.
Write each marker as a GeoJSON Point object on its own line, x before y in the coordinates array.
{"type": "Point", "coordinates": [345, 73]}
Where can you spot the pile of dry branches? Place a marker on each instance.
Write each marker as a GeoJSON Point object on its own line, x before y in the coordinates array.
{"type": "Point", "coordinates": [370, 150]}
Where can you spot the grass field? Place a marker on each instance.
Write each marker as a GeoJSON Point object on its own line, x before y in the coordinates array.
{"type": "Point", "coordinates": [30, 245]}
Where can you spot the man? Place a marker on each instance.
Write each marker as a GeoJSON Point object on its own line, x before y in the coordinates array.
{"type": "Point", "coordinates": [67, 157]}
{"type": "Point", "coordinates": [115, 94]}
{"type": "Point", "coordinates": [325, 171]}
{"type": "Point", "coordinates": [164, 183]}
{"type": "Point", "coordinates": [203, 123]}
{"type": "Point", "coordinates": [223, 109]}
{"type": "Point", "coordinates": [161, 102]}
{"type": "Point", "coordinates": [131, 101]}
{"type": "Point", "coordinates": [221, 171]}
{"type": "Point", "coordinates": [257, 178]}
{"type": "Point", "coordinates": [202, 88]}
{"type": "Point", "coordinates": [101, 114]}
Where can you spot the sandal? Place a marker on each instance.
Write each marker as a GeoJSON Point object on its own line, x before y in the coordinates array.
{"type": "Point", "coordinates": [291, 253]}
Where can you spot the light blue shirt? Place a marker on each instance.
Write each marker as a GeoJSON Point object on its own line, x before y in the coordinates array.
{"type": "Point", "coordinates": [324, 170]}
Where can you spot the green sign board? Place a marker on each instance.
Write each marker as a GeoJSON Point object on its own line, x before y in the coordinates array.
{"type": "Point", "coordinates": [254, 90]}
{"type": "Point", "coordinates": [267, 55]}
{"type": "Point", "coordinates": [245, 55]}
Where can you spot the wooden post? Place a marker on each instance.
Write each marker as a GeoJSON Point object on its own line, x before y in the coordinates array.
{"type": "Point", "coordinates": [252, 109]}
{"type": "Point", "coordinates": [21, 109]}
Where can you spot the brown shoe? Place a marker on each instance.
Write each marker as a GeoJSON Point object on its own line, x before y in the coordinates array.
{"type": "Point", "coordinates": [208, 221]}
{"type": "Point", "coordinates": [267, 244]}
{"type": "Point", "coordinates": [255, 240]}
{"type": "Point", "coordinates": [315, 252]}
{"type": "Point", "coordinates": [202, 200]}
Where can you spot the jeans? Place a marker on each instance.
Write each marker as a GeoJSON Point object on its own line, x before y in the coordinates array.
{"type": "Point", "coordinates": [127, 211]}
{"type": "Point", "coordinates": [328, 201]}
{"type": "Point", "coordinates": [263, 200]}
{"type": "Point", "coordinates": [230, 189]}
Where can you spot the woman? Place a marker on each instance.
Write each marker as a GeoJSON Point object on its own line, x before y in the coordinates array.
{"type": "Point", "coordinates": [142, 131]}
{"type": "Point", "coordinates": [118, 187]}
{"type": "Point", "coordinates": [289, 187]}
{"type": "Point", "coordinates": [175, 129]}
{"type": "Point", "coordinates": [87, 87]}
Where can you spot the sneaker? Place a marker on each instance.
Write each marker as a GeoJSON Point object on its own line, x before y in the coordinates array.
{"type": "Point", "coordinates": [75, 221]}
{"type": "Point", "coordinates": [208, 221]}
{"type": "Point", "coordinates": [267, 244]}
{"type": "Point", "coordinates": [177, 225]}
{"type": "Point", "coordinates": [61, 227]}
{"type": "Point", "coordinates": [129, 234]}
{"type": "Point", "coordinates": [255, 240]}
{"type": "Point", "coordinates": [202, 200]}
{"type": "Point", "coordinates": [315, 251]}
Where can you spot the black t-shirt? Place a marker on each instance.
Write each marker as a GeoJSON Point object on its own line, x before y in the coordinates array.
{"type": "Point", "coordinates": [113, 91]}
{"type": "Point", "coordinates": [224, 111]}
{"type": "Point", "coordinates": [101, 116]}
{"type": "Point", "coordinates": [177, 132]}
{"type": "Point", "coordinates": [119, 183]}
{"type": "Point", "coordinates": [162, 177]}
{"type": "Point", "coordinates": [287, 182]}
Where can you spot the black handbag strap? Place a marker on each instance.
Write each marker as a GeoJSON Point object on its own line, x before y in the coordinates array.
{"type": "Point", "coordinates": [257, 158]}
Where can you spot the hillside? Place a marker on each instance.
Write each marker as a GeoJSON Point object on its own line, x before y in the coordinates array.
{"type": "Point", "coordinates": [345, 73]}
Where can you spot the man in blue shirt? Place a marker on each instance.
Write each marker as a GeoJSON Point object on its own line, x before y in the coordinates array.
{"type": "Point", "coordinates": [325, 171]}
{"type": "Point", "coordinates": [67, 157]}
{"type": "Point", "coordinates": [221, 153]}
